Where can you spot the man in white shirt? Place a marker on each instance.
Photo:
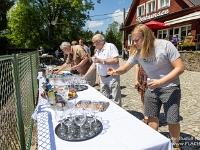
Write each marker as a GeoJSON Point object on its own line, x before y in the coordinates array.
{"type": "Point", "coordinates": [106, 56]}
{"type": "Point", "coordinates": [87, 49]}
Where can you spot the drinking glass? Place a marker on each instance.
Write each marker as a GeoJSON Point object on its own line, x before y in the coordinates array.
{"type": "Point", "coordinates": [59, 116]}
{"type": "Point", "coordinates": [68, 122]}
{"type": "Point", "coordinates": [77, 83]}
{"type": "Point", "coordinates": [88, 101]}
{"type": "Point", "coordinates": [83, 104]}
{"type": "Point", "coordinates": [95, 109]}
{"type": "Point", "coordinates": [80, 119]}
{"type": "Point", "coordinates": [66, 92]}
{"type": "Point", "coordinates": [63, 91]}
{"type": "Point", "coordinates": [90, 119]}
{"type": "Point", "coordinates": [60, 89]}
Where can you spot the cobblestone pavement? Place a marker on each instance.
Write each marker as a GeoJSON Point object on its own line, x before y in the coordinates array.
{"type": "Point", "coordinates": [189, 110]}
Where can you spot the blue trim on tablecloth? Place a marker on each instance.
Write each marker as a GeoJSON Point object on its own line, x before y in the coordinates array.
{"type": "Point", "coordinates": [39, 109]}
{"type": "Point", "coordinates": [52, 138]}
{"type": "Point", "coordinates": [51, 129]}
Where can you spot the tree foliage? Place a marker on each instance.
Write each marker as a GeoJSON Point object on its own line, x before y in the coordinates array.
{"type": "Point", "coordinates": [5, 5]}
{"type": "Point", "coordinates": [31, 22]}
{"type": "Point", "coordinates": [114, 35]}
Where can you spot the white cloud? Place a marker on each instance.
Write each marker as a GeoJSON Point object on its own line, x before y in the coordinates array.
{"type": "Point", "coordinates": [93, 24]}
{"type": "Point", "coordinates": [118, 16]}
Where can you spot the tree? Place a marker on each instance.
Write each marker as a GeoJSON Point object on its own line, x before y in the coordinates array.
{"type": "Point", "coordinates": [5, 5]}
{"type": "Point", "coordinates": [114, 35]}
{"type": "Point", "coordinates": [38, 22]}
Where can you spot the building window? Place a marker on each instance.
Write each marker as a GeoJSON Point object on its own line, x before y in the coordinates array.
{"type": "Point", "coordinates": [180, 31]}
{"type": "Point", "coordinates": [151, 6]}
{"type": "Point", "coordinates": [162, 34]}
{"type": "Point", "coordinates": [163, 4]}
{"type": "Point", "coordinates": [129, 40]}
{"type": "Point", "coordinates": [140, 10]}
{"type": "Point", "coordinates": [184, 31]}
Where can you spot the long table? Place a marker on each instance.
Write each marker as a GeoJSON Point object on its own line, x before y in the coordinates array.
{"type": "Point", "coordinates": [122, 130]}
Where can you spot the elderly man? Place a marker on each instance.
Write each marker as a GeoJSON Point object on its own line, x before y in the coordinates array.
{"type": "Point", "coordinates": [79, 60]}
{"type": "Point", "coordinates": [106, 56]}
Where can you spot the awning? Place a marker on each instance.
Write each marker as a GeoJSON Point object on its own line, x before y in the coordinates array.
{"type": "Point", "coordinates": [188, 17]}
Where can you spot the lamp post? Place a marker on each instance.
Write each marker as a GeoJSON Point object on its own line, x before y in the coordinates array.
{"type": "Point", "coordinates": [49, 24]}
{"type": "Point", "coordinates": [48, 34]}
{"type": "Point", "coordinates": [53, 23]}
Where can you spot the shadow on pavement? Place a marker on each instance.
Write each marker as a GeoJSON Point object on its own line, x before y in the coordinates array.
{"type": "Point", "coordinates": [187, 141]}
{"type": "Point", "coordinates": [123, 95]}
{"type": "Point", "coordinates": [138, 115]}
{"type": "Point", "coordinates": [122, 87]}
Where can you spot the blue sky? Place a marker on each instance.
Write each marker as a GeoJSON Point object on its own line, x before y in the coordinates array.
{"type": "Point", "coordinates": [114, 11]}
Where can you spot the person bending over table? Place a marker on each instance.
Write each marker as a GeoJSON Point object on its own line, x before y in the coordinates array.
{"type": "Point", "coordinates": [106, 56]}
{"type": "Point", "coordinates": [79, 60]}
{"type": "Point", "coordinates": [161, 62]}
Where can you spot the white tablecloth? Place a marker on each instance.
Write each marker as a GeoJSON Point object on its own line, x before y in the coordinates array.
{"type": "Point", "coordinates": [122, 132]}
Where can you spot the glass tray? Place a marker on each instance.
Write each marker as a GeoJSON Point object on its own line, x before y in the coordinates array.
{"type": "Point", "coordinates": [75, 134]}
{"type": "Point", "coordinates": [103, 105]}
{"type": "Point", "coordinates": [80, 87]}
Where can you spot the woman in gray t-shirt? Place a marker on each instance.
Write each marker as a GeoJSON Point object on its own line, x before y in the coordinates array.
{"type": "Point", "coordinates": [161, 62]}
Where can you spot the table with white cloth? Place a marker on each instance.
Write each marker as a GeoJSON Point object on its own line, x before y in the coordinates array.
{"type": "Point", "coordinates": [122, 130]}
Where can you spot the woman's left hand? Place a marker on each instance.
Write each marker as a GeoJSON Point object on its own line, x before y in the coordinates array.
{"type": "Point", "coordinates": [153, 84]}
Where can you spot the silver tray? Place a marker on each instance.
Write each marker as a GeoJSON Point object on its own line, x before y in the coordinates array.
{"type": "Point", "coordinates": [75, 135]}
{"type": "Point", "coordinates": [80, 87]}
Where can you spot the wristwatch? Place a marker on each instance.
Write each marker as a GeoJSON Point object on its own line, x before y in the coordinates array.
{"type": "Point", "coordinates": [103, 62]}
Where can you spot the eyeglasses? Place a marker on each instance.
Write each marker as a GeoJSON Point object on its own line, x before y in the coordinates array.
{"type": "Point", "coordinates": [95, 41]}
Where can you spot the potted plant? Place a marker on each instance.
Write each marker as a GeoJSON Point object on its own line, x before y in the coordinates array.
{"type": "Point", "coordinates": [189, 46]}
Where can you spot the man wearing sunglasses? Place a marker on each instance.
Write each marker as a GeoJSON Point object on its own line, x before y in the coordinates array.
{"type": "Point", "coordinates": [106, 56]}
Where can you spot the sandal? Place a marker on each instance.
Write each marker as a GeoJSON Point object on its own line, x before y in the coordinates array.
{"type": "Point", "coordinates": [176, 146]}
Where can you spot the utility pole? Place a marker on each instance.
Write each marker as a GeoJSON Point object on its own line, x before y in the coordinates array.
{"type": "Point", "coordinates": [123, 33]}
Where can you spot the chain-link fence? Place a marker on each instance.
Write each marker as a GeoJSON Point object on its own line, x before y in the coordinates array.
{"type": "Point", "coordinates": [18, 93]}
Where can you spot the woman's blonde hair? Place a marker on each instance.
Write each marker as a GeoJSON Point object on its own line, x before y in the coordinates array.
{"type": "Point", "coordinates": [148, 41]}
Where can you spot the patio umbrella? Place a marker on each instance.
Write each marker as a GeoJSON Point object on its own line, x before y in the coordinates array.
{"type": "Point", "coordinates": [155, 25]}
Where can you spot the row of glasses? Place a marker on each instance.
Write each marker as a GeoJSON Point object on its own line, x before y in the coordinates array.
{"type": "Point", "coordinates": [85, 115]}
{"type": "Point", "coordinates": [92, 109]}
{"type": "Point", "coordinates": [75, 81]}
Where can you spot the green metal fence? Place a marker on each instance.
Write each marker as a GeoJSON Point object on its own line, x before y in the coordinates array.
{"type": "Point", "coordinates": [18, 92]}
